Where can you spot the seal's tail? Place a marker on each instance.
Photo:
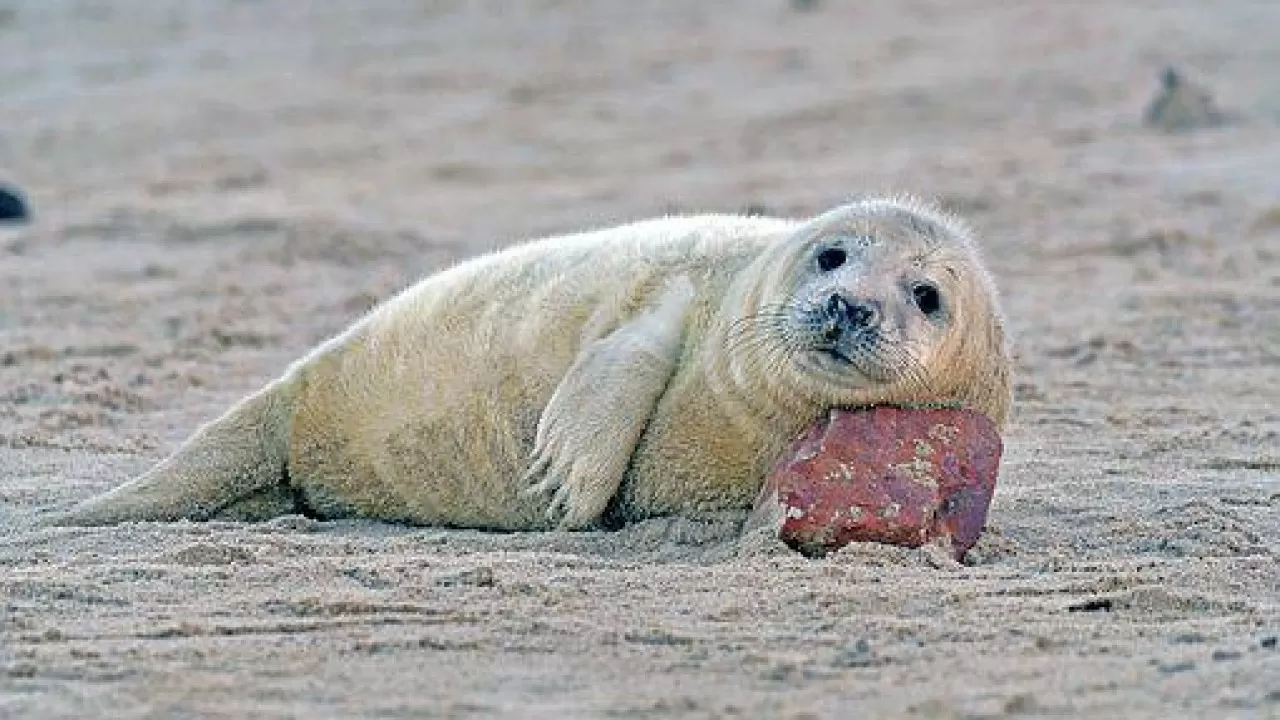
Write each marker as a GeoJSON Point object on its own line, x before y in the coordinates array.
{"type": "Point", "coordinates": [238, 459]}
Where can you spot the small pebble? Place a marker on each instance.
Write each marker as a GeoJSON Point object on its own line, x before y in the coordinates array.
{"type": "Point", "coordinates": [855, 654]}
{"type": "Point", "coordinates": [1181, 106]}
{"type": "Point", "coordinates": [476, 577]}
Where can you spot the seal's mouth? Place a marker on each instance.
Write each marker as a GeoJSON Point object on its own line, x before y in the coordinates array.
{"type": "Point", "coordinates": [835, 353]}
{"type": "Point", "coordinates": [845, 358]}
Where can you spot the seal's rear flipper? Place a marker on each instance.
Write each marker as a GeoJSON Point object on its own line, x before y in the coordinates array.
{"type": "Point", "coordinates": [237, 460]}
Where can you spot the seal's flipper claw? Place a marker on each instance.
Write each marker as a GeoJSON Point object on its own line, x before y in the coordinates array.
{"type": "Point", "coordinates": [534, 478]}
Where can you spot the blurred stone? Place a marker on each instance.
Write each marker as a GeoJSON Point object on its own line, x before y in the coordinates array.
{"type": "Point", "coordinates": [13, 207]}
{"type": "Point", "coordinates": [1182, 106]}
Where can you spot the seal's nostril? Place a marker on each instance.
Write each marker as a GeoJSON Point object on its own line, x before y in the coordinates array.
{"type": "Point", "coordinates": [863, 314]}
{"type": "Point", "coordinates": [837, 305]}
{"type": "Point", "coordinates": [857, 313]}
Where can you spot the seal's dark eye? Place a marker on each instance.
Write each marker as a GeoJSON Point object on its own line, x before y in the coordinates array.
{"type": "Point", "coordinates": [926, 298]}
{"type": "Point", "coordinates": [830, 259]}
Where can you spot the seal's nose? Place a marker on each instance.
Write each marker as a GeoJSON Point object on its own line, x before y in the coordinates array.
{"type": "Point", "coordinates": [858, 313]}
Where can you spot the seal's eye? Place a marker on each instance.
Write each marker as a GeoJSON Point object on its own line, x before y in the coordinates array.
{"type": "Point", "coordinates": [926, 298]}
{"type": "Point", "coordinates": [830, 259]}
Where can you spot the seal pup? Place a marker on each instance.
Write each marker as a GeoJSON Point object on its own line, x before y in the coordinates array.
{"type": "Point", "coordinates": [657, 368]}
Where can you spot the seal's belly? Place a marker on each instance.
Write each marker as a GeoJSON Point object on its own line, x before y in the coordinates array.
{"type": "Point", "coordinates": [370, 439]}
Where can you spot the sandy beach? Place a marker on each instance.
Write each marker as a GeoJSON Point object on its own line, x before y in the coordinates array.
{"type": "Point", "coordinates": [217, 185]}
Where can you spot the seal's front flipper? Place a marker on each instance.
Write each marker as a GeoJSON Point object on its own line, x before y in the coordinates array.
{"type": "Point", "coordinates": [590, 427]}
{"type": "Point", "coordinates": [233, 463]}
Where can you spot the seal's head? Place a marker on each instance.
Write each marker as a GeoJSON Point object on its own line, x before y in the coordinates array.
{"type": "Point", "coordinates": [885, 301]}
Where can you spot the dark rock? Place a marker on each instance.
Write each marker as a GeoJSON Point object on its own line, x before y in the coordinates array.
{"type": "Point", "coordinates": [13, 206]}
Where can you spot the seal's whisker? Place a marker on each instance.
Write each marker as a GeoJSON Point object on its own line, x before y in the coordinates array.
{"type": "Point", "coordinates": [900, 359]}
{"type": "Point", "coordinates": [903, 356]}
{"type": "Point", "coordinates": [751, 338]}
